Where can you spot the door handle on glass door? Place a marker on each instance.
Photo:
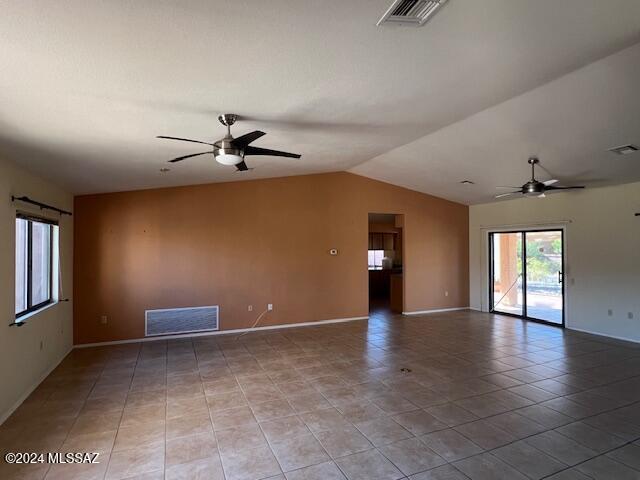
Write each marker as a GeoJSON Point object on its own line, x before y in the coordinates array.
{"type": "Point", "coordinates": [560, 276]}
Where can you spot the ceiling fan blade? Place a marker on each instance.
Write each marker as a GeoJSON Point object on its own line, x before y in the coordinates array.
{"type": "Point", "coordinates": [564, 188]}
{"type": "Point", "coordinates": [188, 156]}
{"type": "Point", "coordinates": [183, 139]}
{"type": "Point", "coordinates": [266, 151]}
{"type": "Point", "coordinates": [247, 138]}
{"type": "Point", "coordinates": [242, 167]}
{"type": "Point", "coordinates": [507, 194]}
{"type": "Point", "coordinates": [504, 186]}
{"type": "Point", "coordinates": [550, 182]}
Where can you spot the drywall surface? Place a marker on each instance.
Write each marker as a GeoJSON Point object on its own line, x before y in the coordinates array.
{"type": "Point", "coordinates": [602, 237]}
{"type": "Point", "coordinates": [254, 243]}
{"type": "Point", "coordinates": [22, 363]}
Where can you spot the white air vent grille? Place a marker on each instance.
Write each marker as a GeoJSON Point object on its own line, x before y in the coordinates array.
{"type": "Point", "coordinates": [411, 12]}
{"type": "Point", "coordinates": [180, 320]}
{"type": "Point", "coordinates": [624, 149]}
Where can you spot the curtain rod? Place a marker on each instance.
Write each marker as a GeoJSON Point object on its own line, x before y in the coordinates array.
{"type": "Point", "coordinates": [43, 206]}
{"type": "Point", "coordinates": [527, 224]}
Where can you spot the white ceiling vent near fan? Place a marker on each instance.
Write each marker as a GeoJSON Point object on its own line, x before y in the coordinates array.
{"type": "Point", "coordinates": [411, 12]}
{"type": "Point", "coordinates": [624, 149]}
{"type": "Point", "coordinates": [170, 321]}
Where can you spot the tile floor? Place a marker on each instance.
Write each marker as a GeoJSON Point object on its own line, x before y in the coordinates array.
{"type": "Point", "coordinates": [487, 397]}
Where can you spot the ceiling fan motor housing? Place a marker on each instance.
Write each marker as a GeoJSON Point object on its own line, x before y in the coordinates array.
{"type": "Point", "coordinates": [533, 188]}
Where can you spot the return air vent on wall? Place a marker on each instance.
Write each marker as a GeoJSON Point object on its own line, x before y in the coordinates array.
{"type": "Point", "coordinates": [180, 320]}
{"type": "Point", "coordinates": [411, 12]}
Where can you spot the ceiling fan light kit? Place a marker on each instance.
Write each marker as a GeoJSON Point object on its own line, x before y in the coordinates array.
{"type": "Point", "coordinates": [536, 188]}
{"type": "Point", "coordinates": [231, 151]}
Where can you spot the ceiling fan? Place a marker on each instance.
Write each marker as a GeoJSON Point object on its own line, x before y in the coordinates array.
{"type": "Point", "coordinates": [535, 188]}
{"type": "Point", "coordinates": [229, 150]}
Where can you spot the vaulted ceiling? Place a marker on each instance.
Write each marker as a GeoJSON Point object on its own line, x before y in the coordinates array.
{"type": "Point", "coordinates": [87, 85]}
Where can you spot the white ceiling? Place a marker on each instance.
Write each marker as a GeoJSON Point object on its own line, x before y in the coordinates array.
{"type": "Point", "coordinates": [87, 85]}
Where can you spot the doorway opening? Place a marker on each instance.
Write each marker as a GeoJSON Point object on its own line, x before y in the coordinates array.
{"type": "Point", "coordinates": [385, 263]}
{"type": "Point", "coordinates": [526, 274]}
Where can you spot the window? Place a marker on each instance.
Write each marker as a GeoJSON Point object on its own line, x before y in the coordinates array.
{"type": "Point", "coordinates": [34, 264]}
{"type": "Point", "coordinates": [375, 259]}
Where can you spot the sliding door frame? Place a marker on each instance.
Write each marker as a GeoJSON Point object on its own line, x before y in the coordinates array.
{"type": "Point", "coordinates": [523, 233]}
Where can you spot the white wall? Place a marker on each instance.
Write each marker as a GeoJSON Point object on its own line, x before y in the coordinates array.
{"type": "Point", "coordinates": [602, 253]}
{"type": "Point", "coordinates": [22, 364]}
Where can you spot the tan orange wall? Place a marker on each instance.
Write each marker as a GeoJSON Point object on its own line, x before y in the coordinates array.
{"type": "Point", "coordinates": [256, 242]}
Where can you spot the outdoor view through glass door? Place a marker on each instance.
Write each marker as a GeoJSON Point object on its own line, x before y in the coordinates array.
{"type": "Point", "coordinates": [526, 274]}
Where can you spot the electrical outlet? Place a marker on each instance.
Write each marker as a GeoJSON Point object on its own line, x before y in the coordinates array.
{"type": "Point", "coordinates": [446, 293]}
{"type": "Point", "coordinates": [270, 307]}
{"type": "Point", "coordinates": [103, 320]}
{"type": "Point", "coordinates": [610, 312]}
{"type": "Point", "coordinates": [250, 308]}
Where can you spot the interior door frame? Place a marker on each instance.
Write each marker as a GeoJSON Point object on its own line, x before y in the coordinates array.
{"type": "Point", "coordinates": [523, 232]}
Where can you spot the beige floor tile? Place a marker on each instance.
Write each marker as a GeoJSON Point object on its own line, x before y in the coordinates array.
{"type": "Point", "coordinates": [323, 471]}
{"type": "Point", "coordinates": [270, 410]}
{"type": "Point", "coordinates": [141, 415]}
{"type": "Point", "coordinates": [528, 460]}
{"type": "Point", "coordinates": [298, 452]}
{"type": "Point", "coordinates": [603, 468]}
{"type": "Point", "coordinates": [560, 447]}
{"type": "Point", "coordinates": [488, 467]}
{"type": "Point", "coordinates": [90, 442]}
{"type": "Point", "coordinates": [343, 441]}
{"type": "Point", "coordinates": [203, 469]}
{"type": "Point", "coordinates": [188, 425]}
{"type": "Point", "coordinates": [451, 414]}
{"type": "Point", "coordinates": [591, 437]}
{"type": "Point", "coordinates": [411, 456]}
{"type": "Point", "coordinates": [187, 449]}
{"type": "Point", "coordinates": [419, 422]}
{"type": "Point", "coordinates": [450, 444]}
{"type": "Point", "coordinates": [256, 464]}
{"type": "Point", "coordinates": [284, 428]}
{"type": "Point", "coordinates": [137, 461]}
{"type": "Point", "coordinates": [484, 434]}
{"type": "Point", "coordinates": [369, 465]}
{"type": "Point", "coordinates": [140, 435]}
{"type": "Point", "coordinates": [445, 472]}
{"type": "Point", "coordinates": [381, 431]}
{"type": "Point", "coordinates": [308, 402]}
{"type": "Point", "coordinates": [323, 420]}
{"type": "Point", "coordinates": [232, 417]}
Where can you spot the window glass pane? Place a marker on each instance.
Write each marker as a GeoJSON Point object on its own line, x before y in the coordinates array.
{"type": "Point", "coordinates": [40, 262]}
{"type": "Point", "coordinates": [21, 265]}
{"type": "Point", "coordinates": [371, 259]}
{"type": "Point", "coordinates": [375, 259]}
{"type": "Point", "coordinates": [507, 273]}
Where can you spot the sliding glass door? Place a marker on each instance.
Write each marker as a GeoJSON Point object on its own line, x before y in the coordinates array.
{"type": "Point", "coordinates": [526, 274]}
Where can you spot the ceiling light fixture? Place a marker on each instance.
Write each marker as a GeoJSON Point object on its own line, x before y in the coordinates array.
{"type": "Point", "coordinates": [467, 182]}
{"type": "Point", "coordinates": [165, 169]}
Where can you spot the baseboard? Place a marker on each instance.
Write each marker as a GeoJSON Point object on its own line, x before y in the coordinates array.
{"type": "Point", "coordinates": [219, 332]}
{"type": "Point", "coordinates": [625, 339]}
{"type": "Point", "coordinates": [33, 386]}
{"type": "Point", "coordinates": [437, 310]}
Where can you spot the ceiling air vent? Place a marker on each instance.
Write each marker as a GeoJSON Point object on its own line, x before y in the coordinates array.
{"type": "Point", "coordinates": [624, 149]}
{"type": "Point", "coordinates": [411, 12]}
